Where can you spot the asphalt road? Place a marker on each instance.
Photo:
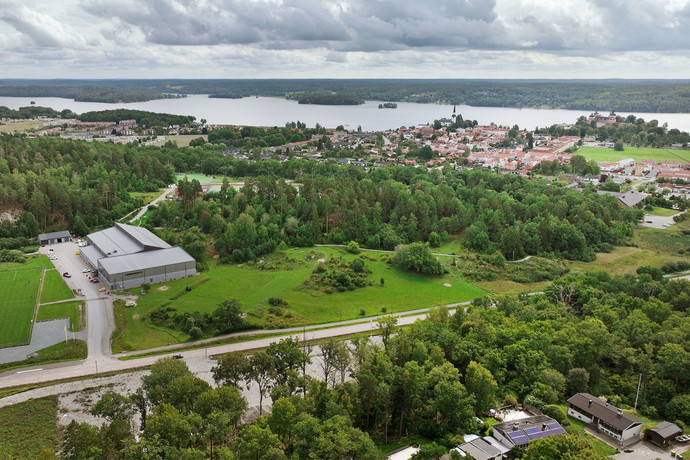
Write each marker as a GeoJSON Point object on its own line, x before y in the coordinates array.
{"type": "Point", "coordinates": [105, 363]}
{"type": "Point", "coordinates": [100, 319]}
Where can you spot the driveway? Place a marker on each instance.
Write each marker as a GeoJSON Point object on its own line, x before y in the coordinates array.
{"type": "Point", "coordinates": [645, 450]}
{"type": "Point", "coordinates": [657, 221]}
{"type": "Point", "coordinates": [100, 318]}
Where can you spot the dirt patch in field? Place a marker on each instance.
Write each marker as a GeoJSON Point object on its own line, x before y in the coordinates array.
{"type": "Point", "coordinates": [163, 288]}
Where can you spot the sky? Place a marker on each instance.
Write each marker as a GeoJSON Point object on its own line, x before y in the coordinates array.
{"type": "Point", "coordinates": [345, 39]}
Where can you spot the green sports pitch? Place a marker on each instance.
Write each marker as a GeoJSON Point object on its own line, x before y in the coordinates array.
{"type": "Point", "coordinates": [19, 288]}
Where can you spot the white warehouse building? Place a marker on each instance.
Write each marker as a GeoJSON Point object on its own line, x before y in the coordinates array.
{"type": "Point", "coordinates": [126, 256]}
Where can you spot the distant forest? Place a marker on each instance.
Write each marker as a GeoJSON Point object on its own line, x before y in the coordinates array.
{"type": "Point", "coordinates": [671, 96]}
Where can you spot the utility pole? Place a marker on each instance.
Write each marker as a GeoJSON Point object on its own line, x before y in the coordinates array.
{"type": "Point", "coordinates": [638, 391]}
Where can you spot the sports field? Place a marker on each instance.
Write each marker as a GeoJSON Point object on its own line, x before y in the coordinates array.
{"type": "Point", "coordinates": [636, 153]}
{"type": "Point", "coordinates": [19, 289]}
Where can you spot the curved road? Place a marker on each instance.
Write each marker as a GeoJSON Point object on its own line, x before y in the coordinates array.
{"type": "Point", "coordinates": [145, 208]}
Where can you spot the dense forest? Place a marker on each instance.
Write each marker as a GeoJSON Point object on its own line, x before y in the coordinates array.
{"type": "Point", "coordinates": [387, 207]}
{"type": "Point", "coordinates": [142, 117]}
{"type": "Point", "coordinates": [587, 333]}
{"type": "Point", "coordinates": [671, 96]}
{"type": "Point", "coordinates": [324, 98]}
{"type": "Point", "coordinates": [56, 183]}
{"type": "Point", "coordinates": [80, 92]}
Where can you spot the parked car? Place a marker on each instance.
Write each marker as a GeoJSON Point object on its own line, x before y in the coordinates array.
{"type": "Point", "coordinates": [66, 275]}
{"type": "Point", "coordinates": [86, 270]}
{"type": "Point", "coordinates": [94, 280]}
{"type": "Point", "coordinates": [177, 356]}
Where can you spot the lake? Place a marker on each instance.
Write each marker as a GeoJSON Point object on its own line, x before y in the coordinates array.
{"type": "Point", "coordinates": [273, 111]}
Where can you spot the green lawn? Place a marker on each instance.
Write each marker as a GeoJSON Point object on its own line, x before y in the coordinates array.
{"type": "Point", "coordinates": [663, 212]}
{"type": "Point", "coordinates": [204, 179]}
{"type": "Point", "coordinates": [28, 428]}
{"type": "Point", "coordinates": [54, 288]}
{"type": "Point", "coordinates": [636, 153]}
{"type": "Point", "coordinates": [146, 197]}
{"type": "Point", "coordinates": [75, 311]}
{"type": "Point", "coordinates": [19, 285]}
{"type": "Point", "coordinates": [252, 287]}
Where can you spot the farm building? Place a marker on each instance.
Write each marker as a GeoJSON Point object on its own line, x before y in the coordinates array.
{"type": "Point", "coordinates": [127, 256]}
{"type": "Point", "coordinates": [54, 237]}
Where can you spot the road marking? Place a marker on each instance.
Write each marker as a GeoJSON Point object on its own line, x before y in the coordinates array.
{"type": "Point", "coordinates": [30, 370]}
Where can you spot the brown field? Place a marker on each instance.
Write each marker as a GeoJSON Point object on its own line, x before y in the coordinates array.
{"type": "Point", "coordinates": [20, 127]}
{"type": "Point", "coordinates": [183, 139]}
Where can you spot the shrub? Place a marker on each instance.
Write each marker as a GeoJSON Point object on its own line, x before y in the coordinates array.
{"type": "Point", "coordinates": [353, 247]}
{"type": "Point", "coordinates": [362, 312]}
{"type": "Point", "coordinates": [195, 333]}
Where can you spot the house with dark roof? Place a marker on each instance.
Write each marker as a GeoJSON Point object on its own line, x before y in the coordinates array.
{"type": "Point", "coordinates": [54, 237]}
{"type": "Point", "coordinates": [664, 433]}
{"type": "Point", "coordinates": [519, 433]}
{"type": "Point", "coordinates": [605, 417]}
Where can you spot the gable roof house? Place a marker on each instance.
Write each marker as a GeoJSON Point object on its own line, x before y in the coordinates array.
{"type": "Point", "coordinates": [519, 433]}
{"type": "Point", "coordinates": [605, 417]}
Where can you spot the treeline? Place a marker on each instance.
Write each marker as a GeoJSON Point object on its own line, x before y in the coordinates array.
{"type": "Point", "coordinates": [142, 117]}
{"type": "Point", "coordinates": [625, 95]}
{"type": "Point", "coordinates": [324, 98]}
{"type": "Point", "coordinates": [630, 130]}
{"type": "Point", "coordinates": [57, 184]}
{"type": "Point", "coordinates": [587, 333]}
{"type": "Point", "coordinates": [249, 137]}
{"type": "Point", "coordinates": [390, 206]}
{"type": "Point", "coordinates": [82, 93]}
{"type": "Point", "coordinates": [30, 112]}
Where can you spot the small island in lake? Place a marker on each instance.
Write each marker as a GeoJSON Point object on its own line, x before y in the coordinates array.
{"type": "Point", "coordinates": [388, 105]}
{"type": "Point", "coordinates": [320, 97]}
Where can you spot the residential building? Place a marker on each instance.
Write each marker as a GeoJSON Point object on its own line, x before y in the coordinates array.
{"type": "Point", "coordinates": [519, 433]}
{"type": "Point", "coordinates": [605, 417]}
{"type": "Point", "coordinates": [664, 433]}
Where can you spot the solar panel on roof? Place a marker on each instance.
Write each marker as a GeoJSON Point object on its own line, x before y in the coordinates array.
{"type": "Point", "coordinates": [559, 430]}
{"type": "Point", "coordinates": [553, 426]}
{"type": "Point", "coordinates": [519, 439]}
{"type": "Point", "coordinates": [540, 435]}
{"type": "Point", "coordinates": [531, 430]}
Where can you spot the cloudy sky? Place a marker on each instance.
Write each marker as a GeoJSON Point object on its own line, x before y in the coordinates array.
{"type": "Point", "coordinates": [345, 39]}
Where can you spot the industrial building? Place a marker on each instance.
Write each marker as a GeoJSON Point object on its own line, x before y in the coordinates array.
{"type": "Point", "coordinates": [126, 256]}
{"type": "Point", "coordinates": [54, 237]}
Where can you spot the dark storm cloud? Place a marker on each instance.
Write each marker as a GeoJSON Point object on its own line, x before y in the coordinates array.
{"type": "Point", "coordinates": [170, 22]}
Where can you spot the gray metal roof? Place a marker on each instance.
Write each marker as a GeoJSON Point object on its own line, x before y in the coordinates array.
{"type": "Point", "coordinates": [143, 236]}
{"type": "Point", "coordinates": [125, 239]}
{"type": "Point", "coordinates": [667, 430]}
{"type": "Point", "coordinates": [145, 260]}
{"type": "Point", "coordinates": [51, 235]}
{"type": "Point", "coordinates": [605, 412]}
{"type": "Point", "coordinates": [480, 449]}
{"type": "Point", "coordinates": [91, 254]}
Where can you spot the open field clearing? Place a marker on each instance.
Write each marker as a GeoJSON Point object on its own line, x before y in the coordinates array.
{"type": "Point", "coordinates": [282, 275]}
{"type": "Point", "coordinates": [28, 428]}
{"type": "Point", "coordinates": [20, 126]}
{"type": "Point", "coordinates": [636, 153]}
{"type": "Point", "coordinates": [182, 140]}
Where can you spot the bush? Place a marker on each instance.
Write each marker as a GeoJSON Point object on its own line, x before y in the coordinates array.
{"type": "Point", "coordinates": [353, 247]}
{"type": "Point", "coordinates": [195, 333]}
{"type": "Point", "coordinates": [418, 257]}
{"type": "Point", "coordinates": [362, 312]}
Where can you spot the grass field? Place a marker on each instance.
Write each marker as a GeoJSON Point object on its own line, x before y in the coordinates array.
{"type": "Point", "coordinates": [54, 288]}
{"type": "Point", "coordinates": [146, 197]}
{"type": "Point", "coordinates": [20, 126]}
{"type": "Point", "coordinates": [252, 287]}
{"type": "Point", "coordinates": [28, 428]}
{"type": "Point", "coordinates": [183, 140]}
{"type": "Point", "coordinates": [19, 285]}
{"type": "Point", "coordinates": [204, 179]}
{"type": "Point", "coordinates": [75, 311]}
{"type": "Point", "coordinates": [636, 153]}
{"type": "Point", "coordinates": [663, 212]}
